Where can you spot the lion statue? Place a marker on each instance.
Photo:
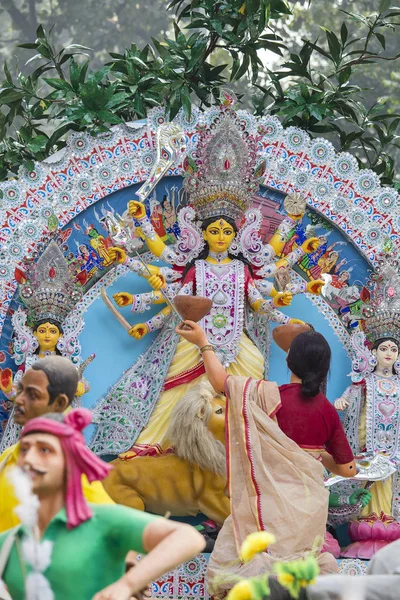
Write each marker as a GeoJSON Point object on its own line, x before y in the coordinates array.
{"type": "Point", "coordinates": [189, 476]}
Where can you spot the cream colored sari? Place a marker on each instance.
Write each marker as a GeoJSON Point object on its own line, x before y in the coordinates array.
{"type": "Point", "coordinates": [274, 486]}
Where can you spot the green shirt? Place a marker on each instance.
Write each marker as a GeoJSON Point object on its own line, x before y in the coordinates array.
{"type": "Point", "coordinates": [85, 559]}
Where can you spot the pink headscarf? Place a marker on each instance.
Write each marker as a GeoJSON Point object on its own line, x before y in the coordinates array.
{"type": "Point", "coordinates": [79, 459]}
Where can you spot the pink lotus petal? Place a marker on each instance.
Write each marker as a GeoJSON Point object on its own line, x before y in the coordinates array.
{"type": "Point", "coordinates": [331, 545]}
{"type": "Point", "coordinates": [364, 550]}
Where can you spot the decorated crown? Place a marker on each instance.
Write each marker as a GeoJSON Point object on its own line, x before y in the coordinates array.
{"type": "Point", "coordinates": [222, 174]}
{"type": "Point", "coordinates": [47, 288]}
{"type": "Point", "coordinates": [382, 315]}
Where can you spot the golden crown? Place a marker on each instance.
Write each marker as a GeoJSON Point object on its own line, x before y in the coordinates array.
{"type": "Point", "coordinates": [221, 176]}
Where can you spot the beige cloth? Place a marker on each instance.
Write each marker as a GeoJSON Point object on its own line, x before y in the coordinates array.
{"type": "Point", "coordinates": [274, 486]}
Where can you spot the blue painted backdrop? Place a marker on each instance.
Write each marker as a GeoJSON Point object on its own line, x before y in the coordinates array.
{"type": "Point", "coordinates": [116, 351]}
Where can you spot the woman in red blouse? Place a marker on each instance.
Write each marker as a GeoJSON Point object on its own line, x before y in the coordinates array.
{"type": "Point", "coordinates": [306, 416]}
{"type": "Point", "coordinates": [273, 436]}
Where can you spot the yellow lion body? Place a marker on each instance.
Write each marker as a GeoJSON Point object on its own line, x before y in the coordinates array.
{"type": "Point", "coordinates": [167, 483]}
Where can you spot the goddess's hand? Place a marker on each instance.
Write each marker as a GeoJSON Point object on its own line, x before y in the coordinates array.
{"type": "Point", "coordinates": [157, 282]}
{"type": "Point", "coordinates": [194, 335]}
{"type": "Point", "coordinates": [136, 210]}
{"type": "Point", "coordinates": [315, 287]}
{"type": "Point", "coordinates": [341, 404]}
{"type": "Point", "coordinates": [153, 270]}
{"type": "Point", "coordinates": [283, 299]}
{"type": "Point", "coordinates": [117, 254]}
{"type": "Point", "coordinates": [139, 331]}
{"type": "Point", "coordinates": [361, 495]}
{"type": "Point", "coordinates": [123, 298]}
{"type": "Point", "coordinates": [6, 380]}
{"type": "Point", "coordinates": [310, 245]}
{"type": "Point", "coordinates": [81, 389]}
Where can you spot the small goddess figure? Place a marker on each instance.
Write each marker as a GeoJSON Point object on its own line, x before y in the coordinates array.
{"type": "Point", "coordinates": [49, 293]}
{"type": "Point", "coordinates": [371, 408]}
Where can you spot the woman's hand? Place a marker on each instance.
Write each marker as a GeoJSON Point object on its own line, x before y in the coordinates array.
{"type": "Point", "coordinates": [117, 254]}
{"type": "Point", "coordinates": [136, 210]}
{"type": "Point", "coordinates": [138, 331]}
{"type": "Point", "coordinates": [310, 245]}
{"type": "Point", "coordinates": [123, 298]}
{"type": "Point", "coordinates": [341, 404]}
{"type": "Point", "coordinates": [120, 590]}
{"type": "Point", "coordinates": [283, 299]}
{"type": "Point", "coordinates": [195, 335]}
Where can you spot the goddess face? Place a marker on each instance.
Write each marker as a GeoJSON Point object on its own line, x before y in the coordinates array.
{"type": "Point", "coordinates": [47, 335]}
{"type": "Point", "coordinates": [216, 424]}
{"type": "Point", "coordinates": [386, 354]}
{"type": "Point", "coordinates": [219, 235]}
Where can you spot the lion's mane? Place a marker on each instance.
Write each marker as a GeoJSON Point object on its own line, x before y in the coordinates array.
{"type": "Point", "coordinates": [189, 434]}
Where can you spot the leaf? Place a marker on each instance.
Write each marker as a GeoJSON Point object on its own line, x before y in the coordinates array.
{"type": "Point", "coordinates": [109, 117]}
{"type": "Point", "coordinates": [382, 40]}
{"type": "Point", "coordinates": [344, 75]}
{"type": "Point", "coordinates": [37, 144]}
{"type": "Point", "coordinates": [58, 84]}
{"type": "Point", "coordinates": [344, 33]}
{"type": "Point", "coordinates": [74, 74]}
{"type": "Point", "coordinates": [7, 73]}
{"type": "Point", "coordinates": [10, 95]}
{"type": "Point", "coordinates": [28, 46]}
{"type": "Point", "coordinates": [243, 68]}
{"type": "Point", "coordinates": [186, 103]}
{"type": "Point", "coordinates": [334, 46]}
{"type": "Point", "coordinates": [29, 165]}
{"type": "Point", "coordinates": [137, 61]}
{"type": "Point", "coordinates": [40, 32]}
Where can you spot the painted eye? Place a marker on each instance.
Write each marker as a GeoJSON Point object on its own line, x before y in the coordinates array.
{"type": "Point", "coordinates": [219, 411]}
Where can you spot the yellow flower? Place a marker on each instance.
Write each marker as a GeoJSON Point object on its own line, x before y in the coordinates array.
{"type": "Point", "coordinates": [255, 543]}
{"type": "Point", "coordinates": [242, 9]}
{"type": "Point", "coordinates": [42, 104]}
{"type": "Point", "coordinates": [297, 574]}
{"type": "Point", "coordinates": [241, 591]}
{"type": "Point", "coordinates": [285, 579]}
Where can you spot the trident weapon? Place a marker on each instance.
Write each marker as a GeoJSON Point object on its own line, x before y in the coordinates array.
{"type": "Point", "coordinates": [170, 141]}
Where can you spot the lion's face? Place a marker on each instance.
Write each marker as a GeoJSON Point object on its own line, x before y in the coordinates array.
{"type": "Point", "coordinates": [216, 424]}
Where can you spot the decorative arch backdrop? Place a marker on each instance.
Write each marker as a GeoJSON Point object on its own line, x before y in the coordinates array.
{"type": "Point", "coordinates": [347, 209]}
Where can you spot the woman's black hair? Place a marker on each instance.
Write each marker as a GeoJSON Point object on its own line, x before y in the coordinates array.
{"type": "Point", "coordinates": [377, 343]}
{"type": "Point", "coordinates": [204, 253]}
{"type": "Point", "coordinates": [52, 322]}
{"type": "Point", "coordinates": [309, 358]}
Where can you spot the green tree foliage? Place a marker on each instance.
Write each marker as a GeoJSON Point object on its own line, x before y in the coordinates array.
{"type": "Point", "coordinates": [213, 44]}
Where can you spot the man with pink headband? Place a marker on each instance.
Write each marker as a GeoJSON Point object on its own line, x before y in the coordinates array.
{"type": "Point", "coordinates": [90, 542]}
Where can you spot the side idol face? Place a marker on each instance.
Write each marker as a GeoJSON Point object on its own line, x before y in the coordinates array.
{"type": "Point", "coordinates": [387, 354]}
{"type": "Point", "coordinates": [219, 235]}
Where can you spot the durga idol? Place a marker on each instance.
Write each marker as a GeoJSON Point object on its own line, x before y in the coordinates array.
{"type": "Point", "coordinates": [213, 258]}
